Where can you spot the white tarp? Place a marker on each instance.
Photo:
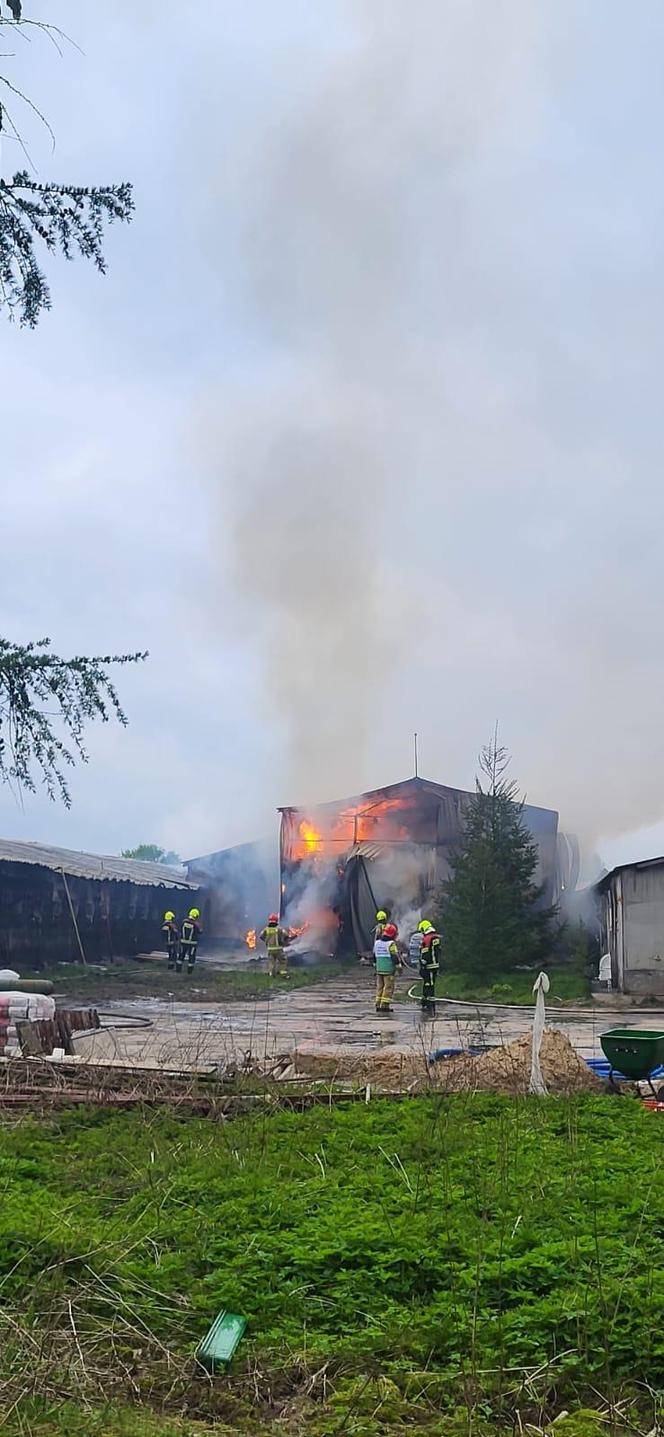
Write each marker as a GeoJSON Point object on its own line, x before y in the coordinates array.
{"type": "Point", "coordinates": [540, 988]}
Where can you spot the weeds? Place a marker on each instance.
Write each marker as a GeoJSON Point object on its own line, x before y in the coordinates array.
{"type": "Point", "coordinates": [127, 979]}
{"type": "Point", "coordinates": [442, 1265]}
{"type": "Point", "coordinates": [568, 985]}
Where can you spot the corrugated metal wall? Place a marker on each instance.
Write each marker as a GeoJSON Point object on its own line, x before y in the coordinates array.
{"type": "Point", "coordinates": [114, 919]}
{"type": "Point", "coordinates": [643, 929]}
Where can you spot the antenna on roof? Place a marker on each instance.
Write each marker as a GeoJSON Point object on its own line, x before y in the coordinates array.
{"type": "Point", "coordinates": [415, 739]}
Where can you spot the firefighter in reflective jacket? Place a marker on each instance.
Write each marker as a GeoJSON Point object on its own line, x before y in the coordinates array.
{"type": "Point", "coordinates": [171, 934]}
{"type": "Point", "coordinates": [275, 939]}
{"type": "Point", "coordinates": [386, 959]}
{"type": "Point", "coordinates": [429, 963]}
{"type": "Point", "coordinates": [382, 917]}
{"type": "Point", "coordinates": [189, 939]}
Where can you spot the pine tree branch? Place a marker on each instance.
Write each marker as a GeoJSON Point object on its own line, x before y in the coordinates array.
{"type": "Point", "coordinates": [65, 218]}
{"type": "Point", "coordinates": [68, 218]}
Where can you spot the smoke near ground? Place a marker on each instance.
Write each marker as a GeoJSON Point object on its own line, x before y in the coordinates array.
{"type": "Point", "coordinates": [441, 505]}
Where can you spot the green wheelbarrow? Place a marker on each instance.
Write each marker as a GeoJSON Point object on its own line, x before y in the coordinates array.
{"type": "Point", "coordinates": [637, 1053]}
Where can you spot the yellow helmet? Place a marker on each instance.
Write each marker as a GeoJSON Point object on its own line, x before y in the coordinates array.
{"type": "Point", "coordinates": [168, 917]}
{"type": "Point", "coordinates": [425, 926]}
{"type": "Point", "coordinates": [381, 916]}
{"type": "Point", "coordinates": [194, 912]}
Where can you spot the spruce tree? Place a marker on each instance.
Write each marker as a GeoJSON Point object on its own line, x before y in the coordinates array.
{"type": "Point", "coordinates": [492, 913]}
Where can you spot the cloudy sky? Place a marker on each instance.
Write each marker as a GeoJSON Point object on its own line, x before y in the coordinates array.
{"type": "Point", "coordinates": [362, 432]}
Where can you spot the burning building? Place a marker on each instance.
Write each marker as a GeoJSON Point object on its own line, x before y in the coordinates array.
{"type": "Point", "coordinates": [390, 848]}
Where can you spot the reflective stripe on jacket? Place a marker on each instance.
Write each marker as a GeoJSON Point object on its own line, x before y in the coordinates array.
{"type": "Point", "coordinates": [386, 955]}
{"type": "Point", "coordinates": [191, 931]}
{"type": "Point", "coordinates": [430, 951]}
{"type": "Point", "coordinates": [273, 937]}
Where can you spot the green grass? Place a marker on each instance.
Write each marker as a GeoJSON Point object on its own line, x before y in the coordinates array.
{"type": "Point", "coordinates": [134, 979]}
{"type": "Point", "coordinates": [435, 1266]}
{"type": "Point", "coordinates": [568, 985]}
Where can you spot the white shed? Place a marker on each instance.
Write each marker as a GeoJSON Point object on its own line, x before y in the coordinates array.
{"type": "Point", "coordinates": [632, 898]}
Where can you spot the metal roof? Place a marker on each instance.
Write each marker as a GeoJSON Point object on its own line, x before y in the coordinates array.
{"type": "Point", "coordinates": [407, 789]}
{"type": "Point", "coordinates": [366, 850]}
{"type": "Point", "coordinates": [637, 863]}
{"type": "Point", "coordinates": [94, 865]}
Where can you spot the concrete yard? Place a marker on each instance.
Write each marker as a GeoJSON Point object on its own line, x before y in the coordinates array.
{"type": "Point", "coordinates": [335, 1014]}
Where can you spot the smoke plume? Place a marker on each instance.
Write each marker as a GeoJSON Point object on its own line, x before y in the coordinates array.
{"type": "Point", "coordinates": [437, 503]}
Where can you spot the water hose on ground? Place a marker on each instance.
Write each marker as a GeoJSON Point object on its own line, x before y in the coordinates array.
{"type": "Point", "coordinates": [527, 1007]}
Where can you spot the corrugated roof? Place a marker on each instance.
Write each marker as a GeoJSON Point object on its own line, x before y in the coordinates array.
{"type": "Point", "coordinates": [366, 850]}
{"type": "Point", "coordinates": [95, 865]}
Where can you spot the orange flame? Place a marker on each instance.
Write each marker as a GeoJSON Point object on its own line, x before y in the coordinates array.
{"type": "Point", "coordinates": [322, 921]}
{"type": "Point", "coordinates": [311, 840]}
{"type": "Point", "coordinates": [380, 822]}
{"type": "Point", "coordinates": [250, 938]}
{"type": "Point", "coordinates": [295, 932]}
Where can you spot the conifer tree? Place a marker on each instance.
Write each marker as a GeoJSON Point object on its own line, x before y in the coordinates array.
{"type": "Point", "coordinates": [492, 914]}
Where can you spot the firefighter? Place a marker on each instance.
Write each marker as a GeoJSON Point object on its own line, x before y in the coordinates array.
{"type": "Point", "coordinates": [275, 939]}
{"type": "Point", "coordinates": [189, 939]}
{"type": "Point", "coordinates": [381, 918]}
{"type": "Point", "coordinates": [429, 964]}
{"type": "Point", "coordinates": [171, 934]}
{"type": "Point", "coordinates": [415, 948]}
{"type": "Point", "coordinates": [386, 959]}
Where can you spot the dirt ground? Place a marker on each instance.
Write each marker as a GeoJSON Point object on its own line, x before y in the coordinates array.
{"type": "Point", "coordinates": [337, 1015]}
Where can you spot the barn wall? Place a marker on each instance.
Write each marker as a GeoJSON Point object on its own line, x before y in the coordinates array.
{"type": "Point", "coordinates": [643, 929]}
{"type": "Point", "coordinates": [115, 919]}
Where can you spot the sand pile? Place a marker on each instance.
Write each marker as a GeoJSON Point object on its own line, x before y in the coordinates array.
{"type": "Point", "coordinates": [507, 1070]}
{"type": "Point", "coordinates": [501, 1070]}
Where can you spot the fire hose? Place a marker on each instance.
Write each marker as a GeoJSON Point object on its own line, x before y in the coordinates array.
{"type": "Point", "coordinates": [480, 1007]}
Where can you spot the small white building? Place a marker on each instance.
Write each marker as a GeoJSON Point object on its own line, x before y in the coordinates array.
{"type": "Point", "coordinates": [632, 916]}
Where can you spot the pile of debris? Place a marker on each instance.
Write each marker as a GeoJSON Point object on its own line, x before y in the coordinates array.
{"type": "Point", "coordinates": [500, 1070]}
{"type": "Point", "coordinates": [394, 1069]}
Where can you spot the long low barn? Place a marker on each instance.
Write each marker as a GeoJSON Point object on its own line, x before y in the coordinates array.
{"type": "Point", "coordinates": [57, 905]}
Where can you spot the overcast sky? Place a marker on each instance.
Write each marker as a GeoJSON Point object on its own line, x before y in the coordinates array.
{"type": "Point", "coordinates": [362, 431]}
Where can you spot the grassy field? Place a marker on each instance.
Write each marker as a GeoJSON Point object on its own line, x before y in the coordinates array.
{"type": "Point", "coordinates": [464, 1266]}
{"type": "Point", "coordinates": [132, 979]}
{"type": "Point", "coordinates": [568, 985]}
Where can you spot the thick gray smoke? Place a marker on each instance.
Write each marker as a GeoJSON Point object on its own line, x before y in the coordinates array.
{"type": "Point", "coordinates": [440, 506]}
{"type": "Point", "coordinates": [323, 471]}
{"type": "Point", "coordinates": [326, 608]}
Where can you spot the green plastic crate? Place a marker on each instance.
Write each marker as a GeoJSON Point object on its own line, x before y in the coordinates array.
{"type": "Point", "coordinates": [220, 1342]}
